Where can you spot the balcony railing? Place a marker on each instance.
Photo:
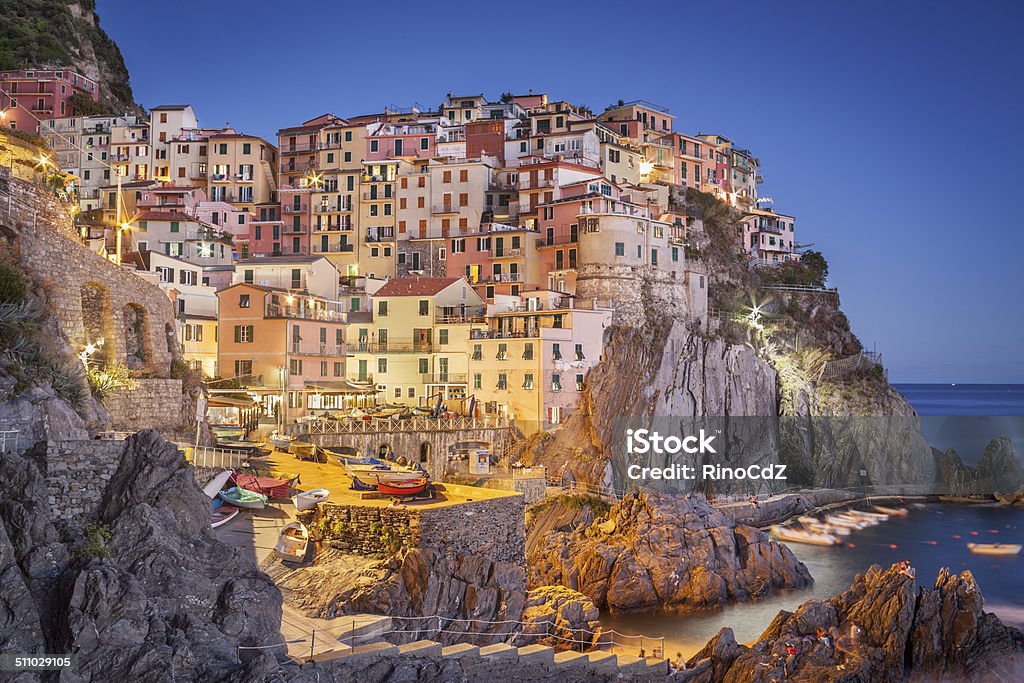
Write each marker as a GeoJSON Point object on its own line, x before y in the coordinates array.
{"type": "Point", "coordinates": [458, 318]}
{"type": "Point", "coordinates": [444, 378]}
{"type": "Point", "coordinates": [503, 277]}
{"type": "Point", "coordinates": [441, 209]}
{"type": "Point", "coordinates": [526, 183]}
{"type": "Point", "coordinates": [505, 253]}
{"type": "Point", "coordinates": [380, 235]}
{"type": "Point", "coordinates": [303, 313]}
{"type": "Point", "coordinates": [295, 209]}
{"type": "Point", "coordinates": [390, 347]}
{"type": "Point", "coordinates": [557, 240]}
{"type": "Point", "coordinates": [289, 149]}
{"type": "Point", "coordinates": [376, 197]}
{"type": "Point", "coordinates": [333, 208]}
{"type": "Point", "coordinates": [333, 249]}
{"type": "Point", "coordinates": [300, 349]}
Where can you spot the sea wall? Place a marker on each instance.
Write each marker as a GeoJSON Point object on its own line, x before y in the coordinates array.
{"type": "Point", "coordinates": [153, 404]}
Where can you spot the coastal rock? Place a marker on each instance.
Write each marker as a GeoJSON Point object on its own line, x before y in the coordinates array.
{"type": "Point", "coordinates": [665, 551]}
{"type": "Point", "coordinates": [565, 618]}
{"type": "Point", "coordinates": [881, 629]}
{"type": "Point", "coordinates": [1000, 468]}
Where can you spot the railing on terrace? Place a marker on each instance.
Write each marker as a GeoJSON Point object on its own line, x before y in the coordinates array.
{"type": "Point", "coordinates": [376, 425]}
{"type": "Point", "coordinates": [391, 347]}
{"type": "Point", "coordinates": [380, 235]}
{"type": "Point", "coordinates": [557, 239]}
{"type": "Point", "coordinates": [444, 378]}
{"type": "Point", "coordinates": [800, 288]}
{"type": "Point", "coordinates": [302, 208]}
{"type": "Point", "coordinates": [209, 456]}
{"type": "Point", "coordinates": [302, 313]}
{"type": "Point", "coordinates": [458, 318]}
{"type": "Point", "coordinates": [300, 349]}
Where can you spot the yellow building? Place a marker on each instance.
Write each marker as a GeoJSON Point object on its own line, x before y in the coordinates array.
{"type": "Point", "coordinates": [334, 198]}
{"type": "Point", "coordinates": [416, 348]}
{"type": "Point", "coordinates": [242, 170]}
{"type": "Point", "coordinates": [375, 244]}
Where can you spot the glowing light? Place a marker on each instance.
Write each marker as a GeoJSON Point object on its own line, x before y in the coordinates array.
{"type": "Point", "coordinates": [646, 167]}
{"type": "Point", "coordinates": [290, 299]}
{"type": "Point", "coordinates": [43, 161]}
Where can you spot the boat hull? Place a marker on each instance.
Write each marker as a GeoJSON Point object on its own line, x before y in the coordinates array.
{"type": "Point", "coordinates": [410, 488]}
{"type": "Point", "coordinates": [999, 549]}
{"type": "Point", "coordinates": [255, 501]}
{"type": "Point", "coordinates": [307, 500]}
{"type": "Point", "coordinates": [293, 543]}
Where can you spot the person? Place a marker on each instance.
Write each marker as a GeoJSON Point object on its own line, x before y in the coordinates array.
{"type": "Point", "coordinates": [643, 654]}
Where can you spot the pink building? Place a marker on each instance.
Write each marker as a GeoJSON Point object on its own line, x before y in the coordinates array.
{"type": "Point", "coordinates": [28, 95]}
{"type": "Point", "coordinates": [769, 237]}
{"type": "Point", "coordinates": [392, 140]}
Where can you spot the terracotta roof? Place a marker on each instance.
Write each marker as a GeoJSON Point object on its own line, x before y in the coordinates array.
{"type": "Point", "coordinates": [165, 216]}
{"type": "Point", "coordinates": [416, 286]}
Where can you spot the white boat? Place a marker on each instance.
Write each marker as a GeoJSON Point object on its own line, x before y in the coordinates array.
{"type": "Point", "coordinates": [892, 512]}
{"type": "Point", "coordinates": [845, 521]}
{"type": "Point", "coordinates": [307, 500]}
{"type": "Point", "coordinates": [808, 520]}
{"type": "Point", "coordinates": [281, 442]}
{"type": "Point", "coordinates": [994, 548]}
{"type": "Point", "coordinates": [214, 486]}
{"type": "Point", "coordinates": [820, 528]}
{"type": "Point", "coordinates": [801, 536]}
{"type": "Point", "coordinates": [293, 542]}
{"type": "Point", "coordinates": [877, 516]}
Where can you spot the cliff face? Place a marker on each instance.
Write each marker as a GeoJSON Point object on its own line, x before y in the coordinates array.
{"type": "Point", "coordinates": [37, 33]}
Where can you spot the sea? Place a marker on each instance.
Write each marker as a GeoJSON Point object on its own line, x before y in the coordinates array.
{"type": "Point", "coordinates": [965, 417]}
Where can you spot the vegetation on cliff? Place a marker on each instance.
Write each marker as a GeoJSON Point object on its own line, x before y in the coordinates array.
{"type": "Point", "coordinates": [38, 33]}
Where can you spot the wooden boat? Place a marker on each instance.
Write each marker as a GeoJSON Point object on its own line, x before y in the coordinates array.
{"type": "Point", "coordinates": [808, 520]}
{"type": "Point", "coordinates": [820, 528]}
{"type": "Point", "coordinates": [994, 548]}
{"type": "Point", "coordinates": [221, 513]}
{"type": "Point", "coordinates": [378, 477]}
{"type": "Point", "coordinates": [307, 500]}
{"type": "Point", "coordinates": [281, 442]}
{"type": "Point", "coordinates": [227, 432]}
{"type": "Point", "coordinates": [876, 516]}
{"type": "Point", "coordinates": [857, 519]}
{"type": "Point", "coordinates": [892, 512]}
{"type": "Point", "coordinates": [268, 486]}
{"type": "Point", "coordinates": [247, 446]}
{"type": "Point", "coordinates": [844, 521]}
{"type": "Point", "coordinates": [800, 536]}
{"type": "Point", "coordinates": [293, 542]}
{"type": "Point", "coordinates": [403, 488]}
{"type": "Point", "coordinates": [241, 498]}
{"type": "Point", "coordinates": [214, 486]}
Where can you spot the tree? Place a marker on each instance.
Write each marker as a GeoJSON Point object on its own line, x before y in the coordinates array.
{"type": "Point", "coordinates": [507, 97]}
{"type": "Point", "coordinates": [815, 261]}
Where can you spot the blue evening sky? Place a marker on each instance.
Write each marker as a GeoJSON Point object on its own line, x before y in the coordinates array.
{"type": "Point", "coordinates": [890, 129]}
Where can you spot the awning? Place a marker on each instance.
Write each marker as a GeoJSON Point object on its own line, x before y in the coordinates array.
{"type": "Point", "coordinates": [340, 386]}
{"type": "Point", "coordinates": [230, 402]}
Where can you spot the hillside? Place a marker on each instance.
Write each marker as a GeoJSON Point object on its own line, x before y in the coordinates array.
{"type": "Point", "coordinates": [34, 33]}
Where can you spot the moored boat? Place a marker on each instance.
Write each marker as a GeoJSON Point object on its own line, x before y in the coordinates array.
{"type": "Point", "coordinates": [214, 486]}
{"type": "Point", "coordinates": [293, 542]}
{"type": "Point", "coordinates": [1005, 549]}
{"type": "Point", "coordinates": [892, 512]}
{"type": "Point", "coordinates": [844, 521]}
{"type": "Point", "coordinates": [804, 519]}
{"type": "Point", "coordinates": [268, 486]}
{"type": "Point", "coordinates": [411, 487]}
{"type": "Point", "coordinates": [242, 498]}
{"type": "Point", "coordinates": [221, 513]}
{"type": "Point", "coordinates": [876, 516]}
{"type": "Point", "coordinates": [801, 536]}
{"type": "Point", "coordinates": [829, 529]}
{"type": "Point", "coordinates": [281, 442]}
{"type": "Point", "coordinates": [307, 500]}
{"type": "Point", "coordinates": [377, 477]}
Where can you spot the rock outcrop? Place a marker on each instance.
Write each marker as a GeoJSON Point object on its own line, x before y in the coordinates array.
{"type": "Point", "coordinates": [562, 618]}
{"type": "Point", "coordinates": [1000, 469]}
{"type": "Point", "coordinates": [659, 550]}
{"type": "Point", "coordinates": [147, 591]}
{"type": "Point", "coordinates": [882, 629]}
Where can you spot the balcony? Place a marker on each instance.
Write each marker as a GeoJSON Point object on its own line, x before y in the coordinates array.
{"type": "Point", "coordinates": [377, 197]}
{"type": "Point", "coordinates": [380, 235]}
{"type": "Point", "coordinates": [527, 183]}
{"type": "Point", "coordinates": [442, 209]}
{"type": "Point", "coordinates": [444, 378]}
{"type": "Point", "coordinates": [459, 317]}
{"type": "Point", "coordinates": [291, 149]}
{"type": "Point", "coordinates": [557, 240]}
{"type": "Point", "coordinates": [339, 207]}
{"type": "Point", "coordinates": [503, 277]}
{"type": "Point", "coordinates": [333, 249]}
{"type": "Point", "coordinates": [340, 226]}
{"type": "Point", "coordinates": [391, 347]}
{"type": "Point", "coordinates": [303, 313]}
{"type": "Point", "coordinates": [243, 177]}
{"type": "Point", "coordinates": [319, 349]}
{"type": "Point", "coordinates": [506, 253]}
{"type": "Point", "coordinates": [302, 208]}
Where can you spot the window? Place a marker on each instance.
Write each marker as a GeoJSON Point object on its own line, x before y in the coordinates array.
{"type": "Point", "coordinates": [620, 249]}
{"type": "Point", "coordinates": [424, 307]}
{"type": "Point", "coordinates": [243, 301]}
{"type": "Point", "coordinates": [579, 352]}
{"type": "Point", "coordinates": [323, 368]}
{"type": "Point", "coordinates": [654, 257]}
{"type": "Point", "coordinates": [382, 366]}
{"type": "Point", "coordinates": [412, 392]}
{"type": "Point", "coordinates": [374, 145]}
{"type": "Point", "coordinates": [502, 351]}
{"type": "Point", "coordinates": [675, 253]}
{"type": "Point", "coordinates": [243, 334]}
{"type": "Point", "coordinates": [528, 380]}
{"type": "Point", "coordinates": [528, 351]}
{"type": "Point", "coordinates": [295, 366]}
{"type": "Point", "coordinates": [243, 368]}
{"type": "Point", "coordinates": [442, 336]}
{"type": "Point", "coordinates": [424, 364]}
{"type": "Point", "coordinates": [424, 143]}
{"type": "Point", "coordinates": [502, 381]}
{"type": "Point", "coordinates": [188, 277]}
{"type": "Point", "coordinates": [296, 277]}
{"type": "Point", "coordinates": [556, 352]}
{"type": "Point", "coordinates": [382, 308]}
{"type": "Point", "coordinates": [246, 148]}
{"type": "Point", "coordinates": [556, 382]}
{"type": "Point", "coordinates": [175, 227]}
{"type": "Point", "coordinates": [477, 381]}
{"type": "Point", "coordinates": [398, 392]}
{"type": "Point", "coordinates": [337, 370]}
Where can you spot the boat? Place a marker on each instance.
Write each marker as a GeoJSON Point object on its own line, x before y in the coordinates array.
{"type": "Point", "coordinates": [877, 516]}
{"type": "Point", "coordinates": [820, 528]}
{"type": "Point", "coordinates": [307, 500]}
{"type": "Point", "coordinates": [808, 520]}
{"type": "Point", "coordinates": [227, 432]}
{"type": "Point", "coordinates": [386, 476]}
{"type": "Point", "coordinates": [844, 521]}
{"type": "Point", "coordinates": [221, 513]}
{"type": "Point", "coordinates": [281, 442]}
{"type": "Point", "coordinates": [892, 512]}
{"type": "Point", "coordinates": [801, 536]}
{"type": "Point", "coordinates": [994, 548]}
{"type": "Point", "coordinates": [293, 542]}
{"type": "Point", "coordinates": [247, 446]}
{"type": "Point", "coordinates": [241, 498]}
{"type": "Point", "coordinates": [214, 486]}
{"type": "Point", "coordinates": [268, 486]}
{"type": "Point", "coordinates": [402, 488]}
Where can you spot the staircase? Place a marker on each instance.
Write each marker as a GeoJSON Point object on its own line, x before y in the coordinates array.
{"type": "Point", "coordinates": [500, 657]}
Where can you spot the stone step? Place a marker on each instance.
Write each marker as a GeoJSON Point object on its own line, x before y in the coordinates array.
{"type": "Point", "coordinates": [502, 651]}
{"type": "Point", "coordinates": [568, 658]}
{"type": "Point", "coordinates": [421, 648]}
{"type": "Point", "coordinates": [536, 653]}
{"type": "Point", "coordinates": [603, 661]}
{"type": "Point", "coordinates": [657, 666]}
{"type": "Point", "coordinates": [460, 650]}
{"type": "Point", "coordinates": [632, 664]}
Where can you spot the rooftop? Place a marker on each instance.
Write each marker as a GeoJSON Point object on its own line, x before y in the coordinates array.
{"type": "Point", "coordinates": [416, 286]}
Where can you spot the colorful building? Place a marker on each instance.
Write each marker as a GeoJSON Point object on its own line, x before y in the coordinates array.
{"type": "Point", "coordinates": [28, 96]}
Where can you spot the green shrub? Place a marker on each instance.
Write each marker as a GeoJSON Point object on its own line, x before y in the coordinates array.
{"type": "Point", "coordinates": [104, 380]}
{"type": "Point", "coordinates": [97, 541]}
{"type": "Point", "coordinates": [12, 285]}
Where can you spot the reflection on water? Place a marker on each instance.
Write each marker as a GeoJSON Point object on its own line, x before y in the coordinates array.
{"type": "Point", "coordinates": [834, 569]}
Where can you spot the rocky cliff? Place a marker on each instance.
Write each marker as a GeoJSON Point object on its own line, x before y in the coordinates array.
{"type": "Point", "coordinates": [1000, 470]}
{"type": "Point", "coordinates": [37, 33]}
{"type": "Point", "coordinates": [882, 629]}
{"type": "Point", "coordinates": [144, 591]}
{"type": "Point", "coordinates": [663, 551]}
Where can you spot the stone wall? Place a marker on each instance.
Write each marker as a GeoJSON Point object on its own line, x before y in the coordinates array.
{"type": "Point", "coordinates": [154, 404]}
{"type": "Point", "coordinates": [90, 296]}
{"type": "Point", "coordinates": [533, 490]}
{"type": "Point", "coordinates": [367, 530]}
{"type": "Point", "coordinates": [634, 290]}
{"type": "Point", "coordinates": [77, 473]}
{"type": "Point", "coordinates": [430, 262]}
{"type": "Point", "coordinates": [494, 527]}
